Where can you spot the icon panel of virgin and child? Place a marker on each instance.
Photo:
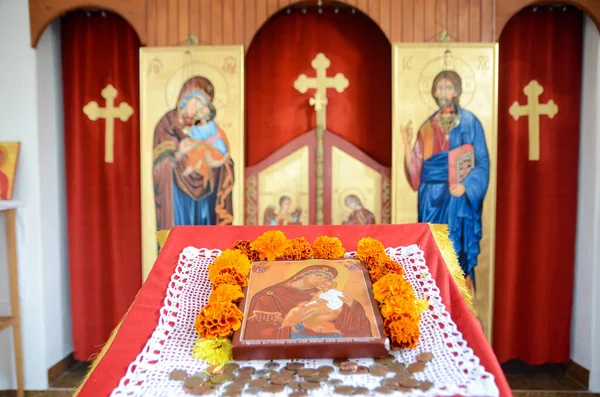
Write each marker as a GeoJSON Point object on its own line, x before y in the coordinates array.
{"type": "Point", "coordinates": [315, 308]}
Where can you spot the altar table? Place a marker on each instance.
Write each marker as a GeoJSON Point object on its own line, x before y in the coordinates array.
{"type": "Point", "coordinates": [131, 335]}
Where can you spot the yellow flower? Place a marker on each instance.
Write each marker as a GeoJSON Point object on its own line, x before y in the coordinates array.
{"type": "Point", "coordinates": [391, 284]}
{"type": "Point", "coordinates": [368, 247]}
{"type": "Point", "coordinates": [270, 245]}
{"type": "Point", "coordinates": [226, 293]}
{"type": "Point", "coordinates": [230, 258]}
{"type": "Point", "coordinates": [214, 351]}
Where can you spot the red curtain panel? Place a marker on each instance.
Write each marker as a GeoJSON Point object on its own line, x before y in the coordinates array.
{"type": "Point", "coordinates": [103, 198]}
{"type": "Point", "coordinates": [285, 47]}
{"type": "Point", "coordinates": [537, 200]}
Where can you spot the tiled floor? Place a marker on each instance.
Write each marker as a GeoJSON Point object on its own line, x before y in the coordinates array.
{"type": "Point", "coordinates": [525, 381]}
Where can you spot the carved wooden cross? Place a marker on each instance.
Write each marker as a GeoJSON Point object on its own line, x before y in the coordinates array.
{"type": "Point", "coordinates": [321, 83]}
{"type": "Point", "coordinates": [108, 113]}
{"type": "Point", "coordinates": [533, 110]}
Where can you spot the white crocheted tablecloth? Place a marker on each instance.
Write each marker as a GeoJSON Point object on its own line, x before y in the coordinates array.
{"type": "Point", "coordinates": [455, 370]}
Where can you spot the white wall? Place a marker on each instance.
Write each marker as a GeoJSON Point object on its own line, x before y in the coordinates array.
{"type": "Point", "coordinates": [31, 112]}
{"type": "Point", "coordinates": [585, 328]}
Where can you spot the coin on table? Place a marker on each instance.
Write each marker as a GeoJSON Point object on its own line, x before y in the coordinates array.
{"type": "Point", "coordinates": [425, 357]}
{"type": "Point", "coordinates": [326, 369]}
{"type": "Point", "coordinates": [347, 372]}
{"type": "Point", "coordinates": [246, 370]}
{"type": "Point", "coordinates": [349, 366]}
{"type": "Point", "coordinates": [389, 382]}
{"type": "Point", "coordinates": [385, 360]}
{"type": "Point", "coordinates": [294, 366]}
{"type": "Point", "coordinates": [361, 370]}
{"type": "Point", "coordinates": [411, 383]}
{"type": "Point", "coordinates": [335, 382]}
{"type": "Point", "coordinates": [202, 375]}
{"type": "Point", "coordinates": [178, 374]}
{"type": "Point", "coordinates": [263, 373]}
{"type": "Point", "coordinates": [232, 393]}
{"type": "Point", "coordinates": [361, 391]}
{"type": "Point", "coordinates": [345, 390]}
{"type": "Point", "coordinates": [404, 389]}
{"type": "Point", "coordinates": [378, 370]}
{"type": "Point", "coordinates": [243, 378]}
{"type": "Point", "coordinates": [294, 385]}
{"type": "Point", "coordinates": [230, 367]}
{"type": "Point", "coordinates": [338, 361]}
{"type": "Point", "coordinates": [258, 383]}
{"type": "Point", "coordinates": [298, 393]}
{"type": "Point", "coordinates": [425, 386]}
{"type": "Point", "coordinates": [310, 386]}
{"type": "Point", "coordinates": [308, 372]}
{"type": "Point", "coordinates": [236, 386]}
{"type": "Point", "coordinates": [193, 381]}
{"type": "Point", "coordinates": [385, 390]}
{"type": "Point", "coordinates": [273, 388]}
{"type": "Point", "coordinates": [286, 372]}
{"type": "Point", "coordinates": [396, 367]}
{"type": "Point", "coordinates": [416, 367]}
{"type": "Point", "coordinates": [404, 374]}
{"type": "Point", "coordinates": [215, 369]}
{"type": "Point", "coordinates": [201, 390]}
{"type": "Point", "coordinates": [280, 379]}
{"type": "Point", "coordinates": [220, 379]}
{"type": "Point", "coordinates": [253, 390]}
{"type": "Point", "coordinates": [272, 365]}
{"type": "Point", "coordinates": [316, 379]}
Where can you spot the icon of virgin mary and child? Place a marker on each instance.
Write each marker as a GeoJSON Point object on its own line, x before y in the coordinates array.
{"type": "Point", "coordinates": [193, 169]}
{"type": "Point", "coordinates": [306, 306]}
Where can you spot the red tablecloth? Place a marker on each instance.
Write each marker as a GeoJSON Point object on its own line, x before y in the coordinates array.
{"type": "Point", "coordinates": [139, 323]}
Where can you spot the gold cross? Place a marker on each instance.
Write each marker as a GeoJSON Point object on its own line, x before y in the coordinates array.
{"type": "Point", "coordinates": [321, 83]}
{"type": "Point", "coordinates": [533, 110]}
{"type": "Point", "coordinates": [108, 113]}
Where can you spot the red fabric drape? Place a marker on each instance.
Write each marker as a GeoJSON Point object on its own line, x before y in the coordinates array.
{"type": "Point", "coordinates": [285, 47]}
{"type": "Point", "coordinates": [103, 199]}
{"type": "Point", "coordinates": [537, 200]}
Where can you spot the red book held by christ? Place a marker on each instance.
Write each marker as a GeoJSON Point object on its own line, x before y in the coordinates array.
{"type": "Point", "coordinates": [460, 162]}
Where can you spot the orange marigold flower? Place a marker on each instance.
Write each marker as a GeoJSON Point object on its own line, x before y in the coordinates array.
{"type": "Point", "coordinates": [218, 320]}
{"type": "Point", "coordinates": [244, 246]}
{"type": "Point", "coordinates": [376, 273]}
{"type": "Point", "coordinates": [404, 333]}
{"type": "Point", "coordinates": [391, 285]}
{"type": "Point", "coordinates": [374, 260]}
{"type": "Point", "coordinates": [230, 258]}
{"type": "Point", "coordinates": [368, 247]}
{"type": "Point", "coordinates": [229, 275]}
{"type": "Point", "coordinates": [226, 293]}
{"type": "Point", "coordinates": [390, 266]}
{"type": "Point", "coordinates": [270, 245]}
{"type": "Point", "coordinates": [400, 306]}
{"type": "Point", "coordinates": [298, 249]}
{"type": "Point", "coordinates": [325, 247]}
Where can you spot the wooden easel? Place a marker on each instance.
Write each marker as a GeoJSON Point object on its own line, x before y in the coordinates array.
{"type": "Point", "coordinates": [14, 319]}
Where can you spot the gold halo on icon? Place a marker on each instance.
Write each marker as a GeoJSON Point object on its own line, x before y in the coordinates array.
{"type": "Point", "coordinates": [201, 69]}
{"type": "Point", "coordinates": [447, 62]}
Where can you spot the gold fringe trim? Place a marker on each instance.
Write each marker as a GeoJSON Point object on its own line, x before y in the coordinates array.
{"type": "Point", "coordinates": [162, 236]}
{"type": "Point", "coordinates": [442, 239]}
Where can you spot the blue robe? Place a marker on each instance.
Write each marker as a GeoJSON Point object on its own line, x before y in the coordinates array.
{"type": "Point", "coordinates": [462, 214]}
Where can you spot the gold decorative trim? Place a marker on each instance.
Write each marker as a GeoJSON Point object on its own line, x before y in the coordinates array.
{"type": "Point", "coordinates": [161, 237]}
{"type": "Point", "coordinates": [441, 236]}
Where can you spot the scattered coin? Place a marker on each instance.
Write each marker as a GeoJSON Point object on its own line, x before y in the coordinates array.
{"type": "Point", "coordinates": [326, 369]}
{"type": "Point", "coordinates": [286, 372]}
{"type": "Point", "coordinates": [235, 386]}
{"type": "Point", "coordinates": [294, 366]}
{"type": "Point", "coordinates": [316, 379]}
{"type": "Point", "coordinates": [389, 382]}
{"type": "Point", "coordinates": [378, 370]}
{"type": "Point", "coordinates": [425, 357]}
{"type": "Point", "coordinates": [232, 393]}
{"type": "Point", "coordinates": [178, 374]}
{"type": "Point", "coordinates": [416, 367]}
{"type": "Point", "coordinates": [404, 374]}
{"type": "Point", "coordinates": [425, 386]}
{"type": "Point", "coordinates": [345, 390]}
{"type": "Point", "coordinates": [308, 372]}
{"type": "Point", "coordinates": [259, 383]}
{"type": "Point", "coordinates": [410, 383]}
{"type": "Point", "coordinates": [338, 361]}
{"type": "Point", "coordinates": [396, 367]}
{"type": "Point", "coordinates": [298, 393]}
{"type": "Point", "coordinates": [201, 390]}
{"type": "Point", "coordinates": [230, 367]}
{"type": "Point", "coordinates": [202, 375]}
{"type": "Point", "coordinates": [404, 389]}
{"type": "Point", "coordinates": [349, 366]}
{"type": "Point", "coordinates": [246, 370]}
{"type": "Point", "coordinates": [385, 360]}
{"type": "Point", "coordinates": [361, 369]}
{"type": "Point", "coordinates": [361, 391]}
{"type": "Point", "coordinates": [263, 373]}
{"type": "Point", "coordinates": [294, 385]}
{"type": "Point", "coordinates": [310, 386]}
{"type": "Point", "coordinates": [272, 365]}
{"type": "Point", "coordinates": [220, 379]}
{"type": "Point", "coordinates": [193, 381]}
{"type": "Point", "coordinates": [274, 388]}
{"type": "Point", "coordinates": [385, 390]}
{"type": "Point", "coordinates": [243, 378]}
{"type": "Point", "coordinates": [335, 382]}
{"type": "Point", "coordinates": [347, 372]}
{"type": "Point", "coordinates": [280, 380]}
